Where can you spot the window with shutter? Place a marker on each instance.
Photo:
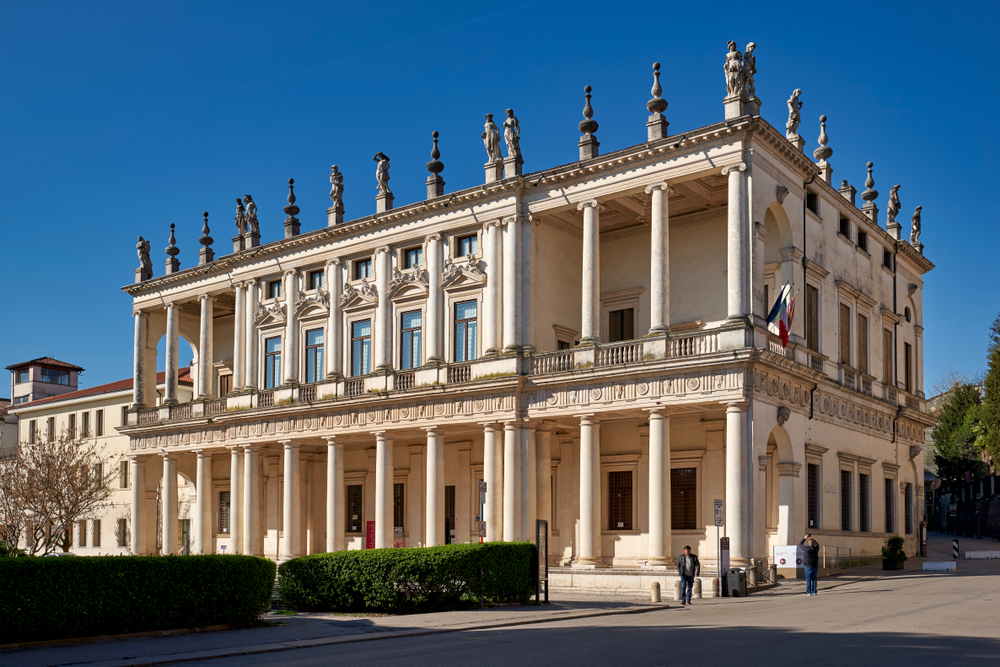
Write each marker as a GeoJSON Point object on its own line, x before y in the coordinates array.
{"type": "Point", "coordinates": [812, 318]}
{"type": "Point", "coordinates": [862, 343]}
{"type": "Point", "coordinates": [845, 334]}
{"type": "Point", "coordinates": [887, 357]}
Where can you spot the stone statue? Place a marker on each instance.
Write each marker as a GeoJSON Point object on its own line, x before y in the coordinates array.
{"type": "Point", "coordinates": [336, 185]}
{"type": "Point", "coordinates": [915, 227]}
{"type": "Point", "coordinates": [734, 70]}
{"type": "Point", "coordinates": [893, 208]}
{"type": "Point", "coordinates": [491, 139]}
{"type": "Point", "coordinates": [512, 135]}
{"type": "Point", "coordinates": [749, 69]}
{"type": "Point", "coordinates": [382, 173]}
{"type": "Point", "coordinates": [145, 265]}
{"type": "Point", "coordinates": [794, 115]}
{"type": "Point", "coordinates": [251, 219]}
{"type": "Point", "coordinates": [241, 218]}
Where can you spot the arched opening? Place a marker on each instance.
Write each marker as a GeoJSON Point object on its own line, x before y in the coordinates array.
{"type": "Point", "coordinates": [786, 472]}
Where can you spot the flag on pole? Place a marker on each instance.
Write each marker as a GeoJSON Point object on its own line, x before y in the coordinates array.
{"type": "Point", "coordinates": [782, 312]}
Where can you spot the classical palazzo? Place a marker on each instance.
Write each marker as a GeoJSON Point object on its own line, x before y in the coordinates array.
{"type": "Point", "coordinates": [590, 340]}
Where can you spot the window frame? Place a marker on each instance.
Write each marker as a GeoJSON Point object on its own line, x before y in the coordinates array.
{"type": "Point", "coordinates": [846, 499]}
{"type": "Point", "coordinates": [412, 258]}
{"type": "Point", "coordinates": [674, 505]}
{"type": "Point", "coordinates": [47, 378]}
{"type": "Point", "coordinates": [813, 328]}
{"type": "Point", "coordinates": [311, 279]}
{"type": "Point", "coordinates": [864, 340]}
{"type": "Point", "coordinates": [314, 359]}
{"type": "Point", "coordinates": [473, 239]}
{"type": "Point", "coordinates": [274, 289]}
{"type": "Point", "coordinates": [626, 323]}
{"type": "Point", "coordinates": [366, 352]}
{"type": "Point", "coordinates": [889, 501]}
{"type": "Point", "coordinates": [467, 338]}
{"type": "Point", "coordinates": [219, 491]}
{"type": "Point", "coordinates": [22, 376]}
{"type": "Point", "coordinates": [413, 346]}
{"type": "Point", "coordinates": [272, 378]}
{"type": "Point", "coordinates": [99, 423]}
{"type": "Point", "coordinates": [365, 263]}
{"type": "Point", "coordinates": [348, 485]}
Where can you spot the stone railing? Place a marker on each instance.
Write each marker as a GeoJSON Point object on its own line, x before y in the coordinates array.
{"type": "Point", "coordinates": [405, 381]}
{"type": "Point", "coordinates": [354, 387]}
{"type": "Point", "coordinates": [307, 394]}
{"type": "Point", "coordinates": [890, 394]}
{"type": "Point", "coordinates": [692, 345]}
{"type": "Point", "coordinates": [459, 373]}
{"type": "Point", "coordinates": [551, 362]}
{"type": "Point", "coordinates": [215, 406]}
{"type": "Point", "coordinates": [265, 399]}
{"type": "Point", "coordinates": [148, 416]}
{"type": "Point", "coordinates": [866, 384]}
{"type": "Point", "coordinates": [848, 378]}
{"type": "Point", "coordinates": [617, 354]}
{"type": "Point", "coordinates": [180, 411]}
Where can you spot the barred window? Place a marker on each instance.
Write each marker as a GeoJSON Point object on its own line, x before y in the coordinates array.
{"type": "Point", "coordinates": [812, 480]}
{"type": "Point", "coordinates": [864, 488]}
{"type": "Point", "coordinates": [353, 506]}
{"type": "Point", "coordinates": [890, 507]}
{"type": "Point", "coordinates": [908, 512]}
{"type": "Point", "coordinates": [398, 506]}
{"type": "Point", "coordinates": [620, 500]}
{"type": "Point", "coordinates": [845, 499]}
{"type": "Point", "coordinates": [82, 536]}
{"type": "Point", "coordinates": [97, 532]}
{"type": "Point", "coordinates": [683, 499]}
{"type": "Point", "coordinates": [224, 512]}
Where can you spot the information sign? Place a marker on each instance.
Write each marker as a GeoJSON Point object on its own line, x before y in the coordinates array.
{"type": "Point", "coordinates": [719, 513]}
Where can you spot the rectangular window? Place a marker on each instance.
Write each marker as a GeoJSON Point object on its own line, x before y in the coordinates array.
{"type": "Point", "coordinates": [224, 512]}
{"type": "Point", "coordinates": [81, 540]}
{"type": "Point", "coordinates": [908, 511]}
{"type": "Point", "coordinates": [845, 499]}
{"type": "Point", "coordinates": [18, 400]}
{"type": "Point", "coordinates": [22, 376]}
{"type": "Point", "coordinates": [398, 506]}
{"type": "Point", "coordinates": [99, 423]}
{"type": "Point", "coordinates": [274, 289]}
{"type": "Point", "coordinates": [449, 514]}
{"type": "Point", "coordinates": [31, 432]}
{"type": "Point", "coordinates": [812, 202]}
{"type": "Point", "coordinates": [361, 348]}
{"type": "Point", "coordinates": [413, 258]}
{"type": "Point", "coordinates": [812, 491]}
{"type": "Point", "coordinates": [890, 506]}
{"type": "Point", "coordinates": [314, 355]}
{"type": "Point", "coordinates": [55, 377]}
{"type": "Point", "coordinates": [564, 345]}
{"type": "Point", "coordinates": [315, 280]}
{"type": "Point", "coordinates": [812, 318]}
{"type": "Point", "coordinates": [621, 325]}
{"type": "Point", "coordinates": [887, 357]}
{"type": "Point", "coordinates": [862, 343]}
{"type": "Point", "coordinates": [51, 429]}
{"type": "Point", "coordinates": [887, 259]}
{"type": "Point", "coordinates": [99, 474]}
{"type": "Point", "coordinates": [272, 362]}
{"type": "Point", "coordinates": [845, 334]}
{"type": "Point", "coordinates": [620, 500]}
{"type": "Point", "coordinates": [465, 330]}
{"type": "Point", "coordinates": [908, 367]}
{"type": "Point", "coordinates": [85, 426]}
{"type": "Point", "coordinates": [863, 241]}
{"type": "Point", "coordinates": [467, 245]}
{"type": "Point", "coordinates": [864, 496]}
{"type": "Point", "coordinates": [123, 475]}
{"type": "Point", "coordinates": [72, 427]}
{"type": "Point", "coordinates": [362, 269]}
{"type": "Point", "coordinates": [123, 532]}
{"type": "Point", "coordinates": [353, 520]}
{"type": "Point", "coordinates": [124, 420]}
{"type": "Point", "coordinates": [683, 499]}
{"type": "Point", "coordinates": [225, 384]}
{"type": "Point", "coordinates": [845, 227]}
{"type": "Point", "coordinates": [97, 532]}
{"type": "Point", "coordinates": [410, 340]}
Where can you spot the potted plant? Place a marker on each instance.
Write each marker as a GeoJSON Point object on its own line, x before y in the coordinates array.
{"type": "Point", "coordinates": [892, 553]}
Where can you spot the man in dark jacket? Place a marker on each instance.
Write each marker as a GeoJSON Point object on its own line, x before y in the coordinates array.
{"type": "Point", "coordinates": [810, 562]}
{"type": "Point", "coordinates": [688, 568]}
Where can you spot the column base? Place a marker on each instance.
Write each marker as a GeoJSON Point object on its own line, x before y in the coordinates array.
{"type": "Point", "coordinates": [658, 563]}
{"type": "Point", "coordinates": [589, 341]}
{"type": "Point", "coordinates": [658, 331]}
{"type": "Point", "coordinates": [434, 361]}
{"type": "Point", "coordinates": [588, 563]}
{"type": "Point", "coordinates": [512, 349]}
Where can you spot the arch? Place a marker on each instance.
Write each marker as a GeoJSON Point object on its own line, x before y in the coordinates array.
{"type": "Point", "coordinates": [779, 438]}
{"type": "Point", "coordinates": [780, 232]}
{"type": "Point", "coordinates": [788, 472]}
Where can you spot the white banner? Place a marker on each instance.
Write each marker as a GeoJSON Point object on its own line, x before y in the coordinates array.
{"type": "Point", "coordinates": [788, 556]}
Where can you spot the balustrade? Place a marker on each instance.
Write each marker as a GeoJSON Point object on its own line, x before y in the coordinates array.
{"type": "Point", "coordinates": [307, 394]}
{"type": "Point", "coordinates": [180, 411]}
{"type": "Point", "coordinates": [552, 362]}
{"type": "Point", "coordinates": [215, 406]}
{"type": "Point", "coordinates": [459, 373]}
{"type": "Point", "coordinates": [615, 354]}
{"type": "Point", "coordinates": [705, 342]}
{"type": "Point", "coordinates": [405, 380]}
{"type": "Point", "coordinates": [355, 387]}
{"type": "Point", "coordinates": [265, 399]}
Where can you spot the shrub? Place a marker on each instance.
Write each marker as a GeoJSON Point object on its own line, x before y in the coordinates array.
{"type": "Point", "coordinates": [892, 550]}
{"type": "Point", "coordinates": [410, 580]}
{"type": "Point", "coordinates": [56, 598]}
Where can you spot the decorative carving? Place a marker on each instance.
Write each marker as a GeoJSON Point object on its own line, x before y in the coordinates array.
{"type": "Point", "coordinates": [794, 115]}
{"type": "Point", "coordinates": [749, 70]}
{"type": "Point", "coordinates": [366, 291]}
{"type": "Point", "coordinates": [241, 217]}
{"type": "Point", "coordinates": [823, 152]}
{"type": "Point", "coordinates": [382, 173]}
{"type": "Point", "coordinates": [453, 272]}
{"type": "Point", "coordinates": [588, 125]}
{"type": "Point", "coordinates": [251, 219]}
{"type": "Point", "coordinates": [734, 71]}
{"type": "Point", "coordinates": [512, 135]}
{"type": "Point", "coordinates": [336, 186]}
{"type": "Point", "coordinates": [401, 280]}
{"type": "Point", "coordinates": [435, 166]}
{"type": "Point", "coordinates": [892, 210]}
{"type": "Point", "coordinates": [870, 193]}
{"type": "Point", "coordinates": [145, 265]}
{"type": "Point", "coordinates": [784, 412]}
{"type": "Point", "coordinates": [915, 228]}
{"type": "Point", "coordinates": [273, 310]}
{"type": "Point", "coordinates": [491, 140]}
{"type": "Point", "coordinates": [319, 299]}
{"type": "Point", "coordinates": [780, 192]}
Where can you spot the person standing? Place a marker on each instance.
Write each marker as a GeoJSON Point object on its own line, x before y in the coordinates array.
{"type": "Point", "coordinates": [688, 568]}
{"type": "Point", "coordinates": [810, 562]}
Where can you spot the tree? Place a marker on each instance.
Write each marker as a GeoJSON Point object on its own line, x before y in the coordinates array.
{"type": "Point", "coordinates": [48, 485]}
{"type": "Point", "coordinates": [990, 431]}
{"type": "Point", "coordinates": [955, 446]}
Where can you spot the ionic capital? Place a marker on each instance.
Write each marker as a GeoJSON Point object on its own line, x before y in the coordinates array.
{"type": "Point", "coordinates": [660, 186]}
{"type": "Point", "coordinates": [333, 262]}
{"type": "Point", "coordinates": [590, 203]}
{"type": "Point", "coordinates": [737, 406]}
{"type": "Point", "coordinates": [382, 249]}
{"type": "Point", "coordinates": [206, 297]}
{"type": "Point", "coordinates": [739, 166]}
{"type": "Point", "coordinates": [510, 219]}
{"type": "Point", "coordinates": [432, 237]}
{"type": "Point", "coordinates": [660, 412]}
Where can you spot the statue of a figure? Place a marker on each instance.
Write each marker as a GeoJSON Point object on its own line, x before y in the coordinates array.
{"type": "Point", "coordinates": [146, 266]}
{"type": "Point", "coordinates": [382, 173]}
{"type": "Point", "coordinates": [749, 69]}
{"type": "Point", "coordinates": [893, 208]}
{"type": "Point", "coordinates": [336, 185]}
{"type": "Point", "coordinates": [512, 135]}
{"type": "Point", "coordinates": [734, 70]}
{"type": "Point", "coordinates": [794, 115]}
{"type": "Point", "coordinates": [915, 227]}
{"type": "Point", "coordinates": [251, 219]}
{"type": "Point", "coordinates": [491, 140]}
{"type": "Point", "coordinates": [241, 217]}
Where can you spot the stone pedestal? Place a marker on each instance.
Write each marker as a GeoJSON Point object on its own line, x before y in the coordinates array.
{"type": "Point", "coordinates": [251, 240]}
{"type": "Point", "coordinates": [494, 171]}
{"type": "Point", "coordinates": [656, 127]}
{"type": "Point", "coordinates": [237, 243]}
{"type": "Point", "coordinates": [512, 166]}
{"type": "Point", "coordinates": [798, 142]}
{"type": "Point", "coordinates": [141, 275]}
{"type": "Point", "coordinates": [825, 171]}
{"type": "Point", "coordinates": [173, 265]}
{"type": "Point", "coordinates": [895, 230]}
{"type": "Point", "coordinates": [919, 247]}
{"type": "Point", "coordinates": [871, 210]}
{"type": "Point", "coordinates": [737, 105]}
{"type": "Point", "coordinates": [206, 255]}
{"type": "Point", "coordinates": [292, 227]}
{"type": "Point", "coordinates": [435, 186]}
{"type": "Point", "coordinates": [588, 146]}
{"type": "Point", "coordinates": [335, 215]}
{"type": "Point", "coordinates": [383, 202]}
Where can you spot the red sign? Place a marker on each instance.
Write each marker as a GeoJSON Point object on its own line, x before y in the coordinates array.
{"type": "Point", "coordinates": [370, 535]}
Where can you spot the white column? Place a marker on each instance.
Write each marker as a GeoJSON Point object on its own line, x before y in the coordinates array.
{"type": "Point", "coordinates": [659, 279]}
{"type": "Point", "coordinates": [511, 283]}
{"type": "Point", "coordinates": [492, 475]}
{"type": "Point", "coordinates": [203, 504]}
{"type": "Point", "coordinates": [737, 488]}
{"type": "Point", "coordinates": [434, 525]}
{"type": "Point", "coordinates": [235, 506]}
{"type": "Point", "coordinates": [290, 346]}
{"type": "Point", "coordinates": [170, 543]}
{"type": "Point", "coordinates": [333, 352]}
{"type": "Point", "coordinates": [383, 490]}
{"type": "Point", "coordinates": [290, 497]}
{"type": "Point", "coordinates": [383, 316]}
{"type": "Point", "coordinates": [529, 488]}
{"type": "Point", "coordinates": [527, 285]}
{"type": "Point", "coordinates": [591, 304]}
{"type": "Point", "coordinates": [137, 475]}
{"type": "Point", "coordinates": [205, 369]}
{"type": "Point", "coordinates": [590, 492]}
{"type": "Point", "coordinates": [139, 360]}
{"type": "Point", "coordinates": [511, 442]}
{"type": "Point", "coordinates": [239, 338]}
{"type": "Point", "coordinates": [737, 234]}
{"type": "Point", "coordinates": [659, 487]}
{"type": "Point", "coordinates": [250, 335]}
{"type": "Point", "coordinates": [491, 296]}
{"type": "Point", "coordinates": [543, 476]}
{"type": "Point", "coordinates": [170, 390]}
{"type": "Point", "coordinates": [435, 316]}
{"type": "Point", "coordinates": [251, 501]}
{"type": "Point", "coordinates": [334, 495]}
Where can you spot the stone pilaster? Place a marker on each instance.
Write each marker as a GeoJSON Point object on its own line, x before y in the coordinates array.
{"type": "Point", "coordinates": [591, 297]}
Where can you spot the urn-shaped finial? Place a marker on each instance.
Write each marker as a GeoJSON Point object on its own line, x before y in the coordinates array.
{"type": "Point", "coordinates": [823, 152]}
{"type": "Point", "coordinates": [588, 125]}
{"type": "Point", "coordinates": [205, 239]}
{"type": "Point", "coordinates": [657, 104]}
{"type": "Point", "coordinates": [172, 248]}
{"type": "Point", "coordinates": [435, 166]}
{"type": "Point", "coordinates": [870, 193]}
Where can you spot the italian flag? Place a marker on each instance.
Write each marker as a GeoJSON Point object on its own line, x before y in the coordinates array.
{"type": "Point", "coordinates": [783, 311]}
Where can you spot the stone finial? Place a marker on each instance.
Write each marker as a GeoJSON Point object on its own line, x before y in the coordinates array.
{"type": "Point", "coordinates": [173, 264]}
{"type": "Point", "coordinates": [870, 195]}
{"type": "Point", "coordinates": [435, 184]}
{"type": "Point", "coordinates": [847, 191]}
{"type": "Point", "coordinates": [291, 222]}
{"type": "Point", "coordinates": [588, 126]}
{"type": "Point", "coordinates": [824, 152]}
{"type": "Point", "coordinates": [145, 270]}
{"type": "Point", "coordinates": [656, 126]}
{"type": "Point", "coordinates": [335, 214]}
{"type": "Point", "coordinates": [206, 254]}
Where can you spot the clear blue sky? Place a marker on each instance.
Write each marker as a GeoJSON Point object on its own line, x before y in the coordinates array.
{"type": "Point", "coordinates": [118, 119]}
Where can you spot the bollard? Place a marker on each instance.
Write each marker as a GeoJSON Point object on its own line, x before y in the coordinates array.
{"type": "Point", "coordinates": [752, 575]}
{"type": "Point", "coordinates": [773, 574]}
{"type": "Point", "coordinates": [954, 548]}
{"type": "Point", "coordinates": [677, 590]}
{"type": "Point", "coordinates": [654, 592]}
{"type": "Point", "coordinates": [697, 588]}
{"type": "Point", "coordinates": [716, 592]}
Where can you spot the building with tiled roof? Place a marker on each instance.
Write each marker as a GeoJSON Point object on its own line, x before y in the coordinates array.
{"type": "Point", "coordinates": [42, 378]}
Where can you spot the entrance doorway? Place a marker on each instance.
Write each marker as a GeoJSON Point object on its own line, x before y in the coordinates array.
{"type": "Point", "coordinates": [186, 535]}
{"type": "Point", "coordinates": [449, 515]}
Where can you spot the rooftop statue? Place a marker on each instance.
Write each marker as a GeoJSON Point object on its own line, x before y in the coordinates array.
{"type": "Point", "coordinates": [794, 115]}
{"type": "Point", "coordinates": [251, 216]}
{"type": "Point", "coordinates": [382, 173]}
{"type": "Point", "coordinates": [734, 70]}
{"type": "Point", "coordinates": [893, 208]}
{"type": "Point", "coordinates": [915, 227]}
{"type": "Point", "coordinates": [241, 218]}
{"type": "Point", "coordinates": [145, 265]}
{"type": "Point", "coordinates": [491, 139]}
{"type": "Point", "coordinates": [512, 135]}
{"type": "Point", "coordinates": [749, 69]}
{"type": "Point", "coordinates": [336, 185]}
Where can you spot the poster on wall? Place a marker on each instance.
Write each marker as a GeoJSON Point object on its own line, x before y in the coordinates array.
{"type": "Point", "coordinates": [370, 535]}
{"type": "Point", "coordinates": [397, 537]}
{"type": "Point", "coordinates": [788, 556]}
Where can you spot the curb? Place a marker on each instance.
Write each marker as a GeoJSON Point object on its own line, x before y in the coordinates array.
{"type": "Point", "coordinates": [49, 643]}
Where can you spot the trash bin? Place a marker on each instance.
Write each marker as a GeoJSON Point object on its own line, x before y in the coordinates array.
{"type": "Point", "coordinates": [736, 583]}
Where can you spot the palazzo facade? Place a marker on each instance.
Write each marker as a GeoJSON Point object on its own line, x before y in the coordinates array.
{"type": "Point", "coordinates": [589, 340]}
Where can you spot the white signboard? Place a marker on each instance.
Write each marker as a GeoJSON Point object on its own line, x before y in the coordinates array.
{"type": "Point", "coordinates": [788, 556]}
{"type": "Point", "coordinates": [719, 513]}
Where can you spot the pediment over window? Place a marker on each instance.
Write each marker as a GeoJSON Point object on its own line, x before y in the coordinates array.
{"type": "Point", "coordinates": [272, 313]}
{"type": "Point", "coordinates": [462, 275]}
{"type": "Point", "coordinates": [411, 282]}
{"type": "Point", "coordinates": [364, 294]}
{"type": "Point", "coordinates": [318, 300]}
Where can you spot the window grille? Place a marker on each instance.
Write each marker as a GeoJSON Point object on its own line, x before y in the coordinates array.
{"type": "Point", "coordinates": [620, 500]}
{"type": "Point", "coordinates": [683, 499]}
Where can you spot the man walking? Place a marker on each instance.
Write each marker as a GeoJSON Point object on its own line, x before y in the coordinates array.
{"type": "Point", "coordinates": [810, 562]}
{"type": "Point", "coordinates": [688, 568]}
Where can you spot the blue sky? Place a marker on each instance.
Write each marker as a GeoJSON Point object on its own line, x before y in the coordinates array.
{"type": "Point", "coordinates": [118, 119]}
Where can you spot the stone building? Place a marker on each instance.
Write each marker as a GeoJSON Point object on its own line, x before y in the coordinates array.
{"type": "Point", "coordinates": [588, 339]}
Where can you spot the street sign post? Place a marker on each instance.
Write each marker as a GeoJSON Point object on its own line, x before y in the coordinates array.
{"type": "Point", "coordinates": [719, 515]}
{"type": "Point", "coordinates": [482, 510]}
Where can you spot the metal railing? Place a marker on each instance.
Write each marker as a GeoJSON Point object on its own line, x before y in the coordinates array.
{"type": "Point", "coordinates": [615, 354]}
{"type": "Point", "coordinates": [552, 362]}
{"type": "Point", "coordinates": [459, 373]}
{"type": "Point", "coordinates": [705, 342]}
{"type": "Point", "coordinates": [405, 381]}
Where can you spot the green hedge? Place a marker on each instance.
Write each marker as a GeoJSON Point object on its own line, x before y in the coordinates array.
{"type": "Point", "coordinates": [56, 598]}
{"type": "Point", "coordinates": [410, 580]}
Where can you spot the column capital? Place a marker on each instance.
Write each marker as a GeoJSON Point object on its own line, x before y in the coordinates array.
{"type": "Point", "coordinates": [382, 249]}
{"type": "Point", "coordinates": [432, 237]}
{"type": "Point", "coordinates": [168, 456]}
{"type": "Point", "coordinates": [167, 305]}
{"type": "Point", "coordinates": [588, 418]}
{"type": "Point", "coordinates": [432, 430]}
{"type": "Point", "coordinates": [590, 203]}
{"type": "Point", "coordinates": [200, 451]}
{"type": "Point", "coordinates": [511, 424]}
{"type": "Point", "coordinates": [739, 166]}
{"type": "Point", "coordinates": [737, 406]}
{"type": "Point", "coordinates": [493, 223]}
{"type": "Point", "coordinates": [139, 311]}
{"type": "Point", "coordinates": [206, 297]}
{"type": "Point", "coordinates": [288, 444]}
{"type": "Point", "coordinates": [506, 220]}
{"type": "Point", "coordinates": [333, 262]}
{"type": "Point", "coordinates": [331, 440]}
{"type": "Point", "coordinates": [251, 282]}
{"type": "Point", "coordinates": [788, 469]}
{"type": "Point", "coordinates": [290, 272]}
{"type": "Point", "coordinates": [661, 411]}
{"type": "Point", "coordinates": [663, 186]}
{"type": "Point", "coordinates": [251, 448]}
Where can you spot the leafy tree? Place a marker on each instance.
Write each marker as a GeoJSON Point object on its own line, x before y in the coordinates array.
{"type": "Point", "coordinates": [990, 431]}
{"type": "Point", "coordinates": [955, 441]}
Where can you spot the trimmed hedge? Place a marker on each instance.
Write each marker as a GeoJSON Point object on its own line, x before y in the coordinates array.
{"type": "Point", "coordinates": [406, 581]}
{"type": "Point", "coordinates": [57, 598]}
